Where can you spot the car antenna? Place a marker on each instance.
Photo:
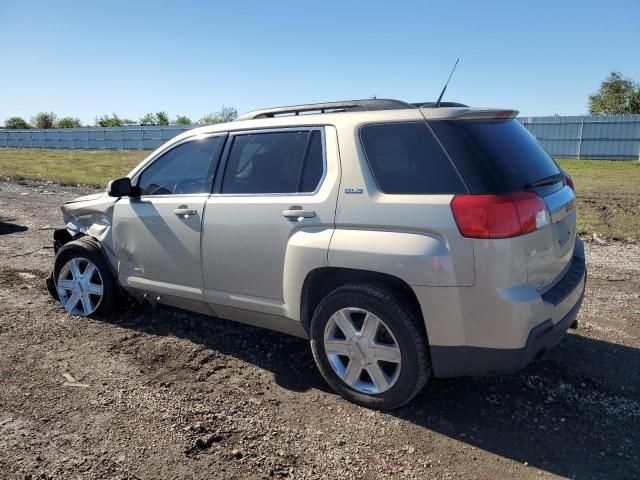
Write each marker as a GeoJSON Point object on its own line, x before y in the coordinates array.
{"type": "Point", "coordinates": [445, 85]}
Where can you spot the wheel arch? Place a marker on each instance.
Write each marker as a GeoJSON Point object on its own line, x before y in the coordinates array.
{"type": "Point", "coordinates": [60, 240]}
{"type": "Point", "coordinates": [321, 281]}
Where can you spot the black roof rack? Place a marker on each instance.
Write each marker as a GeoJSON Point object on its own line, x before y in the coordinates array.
{"type": "Point", "coordinates": [329, 107]}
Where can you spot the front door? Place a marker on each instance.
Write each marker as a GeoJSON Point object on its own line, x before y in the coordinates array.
{"type": "Point", "coordinates": [157, 234]}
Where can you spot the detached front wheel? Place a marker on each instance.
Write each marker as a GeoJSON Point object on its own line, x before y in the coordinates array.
{"type": "Point", "coordinates": [368, 346]}
{"type": "Point", "coordinates": [84, 283]}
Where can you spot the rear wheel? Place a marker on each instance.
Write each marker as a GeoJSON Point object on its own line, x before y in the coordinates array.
{"type": "Point", "coordinates": [368, 346]}
{"type": "Point", "coordinates": [84, 283]}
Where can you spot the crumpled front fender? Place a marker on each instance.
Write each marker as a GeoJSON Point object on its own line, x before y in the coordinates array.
{"type": "Point", "coordinates": [92, 217]}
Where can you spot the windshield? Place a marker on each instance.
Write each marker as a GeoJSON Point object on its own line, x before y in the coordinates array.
{"type": "Point", "coordinates": [494, 156]}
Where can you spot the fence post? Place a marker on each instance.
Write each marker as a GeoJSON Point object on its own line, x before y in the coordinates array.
{"type": "Point", "coordinates": [580, 139]}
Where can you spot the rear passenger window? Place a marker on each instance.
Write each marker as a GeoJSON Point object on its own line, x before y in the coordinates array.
{"type": "Point", "coordinates": [274, 162]}
{"type": "Point", "coordinates": [405, 158]}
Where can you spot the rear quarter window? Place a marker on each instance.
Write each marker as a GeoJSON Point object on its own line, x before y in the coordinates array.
{"type": "Point", "coordinates": [405, 158]}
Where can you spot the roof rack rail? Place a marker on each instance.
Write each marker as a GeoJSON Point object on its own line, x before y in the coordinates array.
{"type": "Point", "coordinates": [329, 107]}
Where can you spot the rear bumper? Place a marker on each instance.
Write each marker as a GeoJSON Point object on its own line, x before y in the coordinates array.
{"type": "Point", "coordinates": [463, 360]}
{"type": "Point", "coordinates": [559, 306]}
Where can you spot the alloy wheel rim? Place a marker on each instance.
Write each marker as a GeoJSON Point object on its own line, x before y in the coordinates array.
{"type": "Point", "coordinates": [80, 286]}
{"type": "Point", "coordinates": [362, 350]}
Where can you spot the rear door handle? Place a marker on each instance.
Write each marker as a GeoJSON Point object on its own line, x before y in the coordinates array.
{"type": "Point", "coordinates": [297, 212]}
{"type": "Point", "coordinates": [185, 210]}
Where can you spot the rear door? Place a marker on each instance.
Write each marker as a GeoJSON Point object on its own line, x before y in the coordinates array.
{"type": "Point", "coordinates": [157, 234]}
{"type": "Point", "coordinates": [274, 184]}
{"type": "Point", "coordinates": [498, 156]}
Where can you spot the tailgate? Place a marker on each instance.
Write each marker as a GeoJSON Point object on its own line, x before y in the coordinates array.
{"type": "Point", "coordinates": [549, 250]}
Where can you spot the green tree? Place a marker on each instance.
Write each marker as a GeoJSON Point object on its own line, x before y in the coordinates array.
{"type": "Point", "coordinates": [68, 122]}
{"type": "Point", "coordinates": [149, 119]}
{"type": "Point", "coordinates": [182, 120]}
{"type": "Point", "coordinates": [162, 118]}
{"type": "Point", "coordinates": [225, 114]}
{"type": "Point", "coordinates": [617, 95]}
{"type": "Point", "coordinates": [109, 121]}
{"type": "Point", "coordinates": [15, 123]}
{"type": "Point", "coordinates": [44, 120]}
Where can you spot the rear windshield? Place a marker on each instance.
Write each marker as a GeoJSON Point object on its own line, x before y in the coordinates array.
{"type": "Point", "coordinates": [494, 156]}
{"type": "Point", "coordinates": [405, 158]}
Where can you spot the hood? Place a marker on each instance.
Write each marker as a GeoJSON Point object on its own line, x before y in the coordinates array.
{"type": "Point", "coordinates": [84, 198]}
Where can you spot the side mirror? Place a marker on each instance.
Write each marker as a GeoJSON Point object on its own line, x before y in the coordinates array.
{"type": "Point", "coordinates": [120, 187]}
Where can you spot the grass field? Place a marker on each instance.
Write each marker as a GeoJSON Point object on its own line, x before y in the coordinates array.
{"type": "Point", "coordinates": [608, 191]}
{"type": "Point", "coordinates": [608, 197]}
{"type": "Point", "coordinates": [68, 166]}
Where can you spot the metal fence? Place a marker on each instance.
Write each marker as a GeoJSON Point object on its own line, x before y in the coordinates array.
{"type": "Point", "coordinates": [597, 136]}
{"type": "Point", "coordinates": [614, 136]}
{"type": "Point", "coordinates": [110, 138]}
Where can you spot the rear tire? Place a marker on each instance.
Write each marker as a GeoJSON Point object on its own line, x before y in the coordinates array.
{"type": "Point", "coordinates": [83, 280]}
{"type": "Point", "coordinates": [368, 346]}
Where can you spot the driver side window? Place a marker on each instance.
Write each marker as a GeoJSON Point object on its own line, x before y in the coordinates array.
{"type": "Point", "coordinates": [187, 168]}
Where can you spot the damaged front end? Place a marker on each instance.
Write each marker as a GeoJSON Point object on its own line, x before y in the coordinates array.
{"type": "Point", "coordinates": [90, 215]}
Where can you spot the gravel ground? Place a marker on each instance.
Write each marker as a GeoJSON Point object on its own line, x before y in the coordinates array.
{"type": "Point", "coordinates": [157, 393]}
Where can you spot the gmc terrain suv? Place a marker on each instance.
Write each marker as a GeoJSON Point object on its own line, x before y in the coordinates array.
{"type": "Point", "coordinates": [404, 240]}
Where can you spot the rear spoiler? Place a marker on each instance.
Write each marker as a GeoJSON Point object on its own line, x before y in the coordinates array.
{"type": "Point", "coordinates": [469, 113]}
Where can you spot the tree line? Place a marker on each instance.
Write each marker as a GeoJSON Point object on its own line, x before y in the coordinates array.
{"type": "Point", "coordinates": [47, 120]}
{"type": "Point", "coordinates": [617, 95]}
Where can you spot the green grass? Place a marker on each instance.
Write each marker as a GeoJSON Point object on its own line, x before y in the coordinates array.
{"type": "Point", "coordinates": [68, 167]}
{"type": "Point", "coordinates": [608, 191]}
{"type": "Point", "coordinates": [608, 197]}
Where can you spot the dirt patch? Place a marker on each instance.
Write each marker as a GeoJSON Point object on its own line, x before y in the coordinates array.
{"type": "Point", "coordinates": [160, 393]}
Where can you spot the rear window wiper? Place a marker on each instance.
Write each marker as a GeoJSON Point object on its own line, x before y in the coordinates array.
{"type": "Point", "coordinates": [558, 177]}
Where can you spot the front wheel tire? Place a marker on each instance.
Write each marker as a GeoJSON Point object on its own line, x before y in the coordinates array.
{"type": "Point", "coordinates": [367, 345]}
{"type": "Point", "coordinates": [84, 283]}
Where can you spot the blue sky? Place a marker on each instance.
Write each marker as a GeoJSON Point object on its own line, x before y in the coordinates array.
{"type": "Point", "coordinates": [131, 57]}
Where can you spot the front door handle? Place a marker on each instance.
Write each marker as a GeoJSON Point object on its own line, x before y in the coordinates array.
{"type": "Point", "coordinates": [296, 211]}
{"type": "Point", "coordinates": [185, 210]}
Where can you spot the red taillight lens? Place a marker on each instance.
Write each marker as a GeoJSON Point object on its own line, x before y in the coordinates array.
{"type": "Point", "coordinates": [499, 216]}
{"type": "Point", "coordinates": [569, 181]}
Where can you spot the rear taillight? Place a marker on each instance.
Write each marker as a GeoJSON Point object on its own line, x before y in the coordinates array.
{"type": "Point", "coordinates": [569, 182]}
{"type": "Point", "coordinates": [499, 216]}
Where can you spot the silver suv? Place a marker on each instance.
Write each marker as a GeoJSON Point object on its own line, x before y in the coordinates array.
{"type": "Point", "coordinates": [404, 240]}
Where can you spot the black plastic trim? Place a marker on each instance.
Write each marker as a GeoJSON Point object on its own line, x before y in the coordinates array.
{"type": "Point", "coordinates": [564, 287]}
{"type": "Point", "coordinates": [60, 237]}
